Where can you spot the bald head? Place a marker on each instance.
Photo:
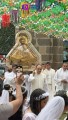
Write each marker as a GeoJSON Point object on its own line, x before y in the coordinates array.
{"type": "Point", "coordinates": [38, 68]}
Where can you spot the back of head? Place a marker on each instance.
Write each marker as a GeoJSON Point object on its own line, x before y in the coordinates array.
{"type": "Point", "coordinates": [14, 65]}
{"type": "Point", "coordinates": [53, 110]}
{"type": "Point", "coordinates": [48, 63]}
{"type": "Point", "coordinates": [6, 86]}
{"type": "Point", "coordinates": [64, 95]}
{"type": "Point", "coordinates": [35, 99]}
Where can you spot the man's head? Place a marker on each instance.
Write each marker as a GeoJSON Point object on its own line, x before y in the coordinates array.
{"type": "Point", "coordinates": [38, 68]}
{"type": "Point", "coordinates": [48, 65]}
{"type": "Point", "coordinates": [14, 67]}
{"type": "Point", "coordinates": [65, 66]}
{"type": "Point", "coordinates": [43, 66]}
{"type": "Point", "coordinates": [19, 70]}
{"type": "Point", "coordinates": [9, 68]}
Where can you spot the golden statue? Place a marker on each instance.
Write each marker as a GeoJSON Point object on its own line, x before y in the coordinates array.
{"type": "Point", "coordinates": [23, 51]}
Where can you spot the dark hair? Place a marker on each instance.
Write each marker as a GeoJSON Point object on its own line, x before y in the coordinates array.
{"type": "Point", "coordinates": [43, 63]}
{"type": "Point", "coordinates": [19, 66]}
{"type": "Point", "coordinates": [48, 63]}
{"type": "Point", "coordinates": [1, 86]}
{"type": "Point", "coordinates": [63, 94]}
{"type": "Point", "coordinates": [14, 65]}
{"type": "Point", "coordinates": [6, 86]}
{"type": "Point", "coordinates": [66, 48]}
{"type": "Point", "coordinates": [38, 65]}
{"type": "Point", "coordinates": [34, 103]}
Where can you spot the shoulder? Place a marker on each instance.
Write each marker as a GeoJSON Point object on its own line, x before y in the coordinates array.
{"type": "Point", "coordinates": [60, 69]}
{"type": "Point", "coordinates": [52, 70]}
{"type": "Point", "coordinates": [29, 116]}
{"type": "Point", "coordinates": [12, 73]}
{"type": "Point", "coordinates": [6, 110]}
{"type": "Point", "coordinates": [26, 76]}
{"type": "Point", "coordinates": [42, 74]}
{"type": "Point", "coordinates": [6, 107]}
{"type": "Point", "coordinates": [31, 74]}
{"type": "Point", "coordinates": [6, 73]}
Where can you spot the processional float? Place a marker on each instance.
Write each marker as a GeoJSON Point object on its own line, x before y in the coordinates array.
{"type": "Point", "coordinates": [23, 52]}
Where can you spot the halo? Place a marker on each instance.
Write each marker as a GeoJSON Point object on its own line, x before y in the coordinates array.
{"type": "Point", "coordinates": [23, 33]}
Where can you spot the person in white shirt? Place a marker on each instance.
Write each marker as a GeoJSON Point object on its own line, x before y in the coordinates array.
{"type": "Point", "coordinates": [61, 78]}
{"type": "Point", "coordinates": [65, 55]}
{"type": "Point", "coordinates": [5, 97]}
{"type": "Point", "coordinates": [9, 77]}
{"type": "Point", "coordinates": [8, 109]}
{"type": "Point", "coordinates": [26, 76]}
{"type": "Point", "coordinates": [27, 84]}
{"type": "Point", "coordinates": [49, 72]}
{"type": "Point", "coordinates": [38, 79]}
{"type": "Point", "coordinates": [43, 67]}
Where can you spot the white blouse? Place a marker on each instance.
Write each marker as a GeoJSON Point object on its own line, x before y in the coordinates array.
{"type": "Point", "coordinates": [29, 116]}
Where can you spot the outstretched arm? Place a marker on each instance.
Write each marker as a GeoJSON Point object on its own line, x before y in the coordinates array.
{"type": "Point", "coordinates": [19, 98]}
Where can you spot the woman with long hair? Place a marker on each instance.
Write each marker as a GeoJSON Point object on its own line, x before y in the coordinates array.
{"type": "Point", "coordinates": [38, 100]}
{"type": "Point", "coordinates": [53, 110]}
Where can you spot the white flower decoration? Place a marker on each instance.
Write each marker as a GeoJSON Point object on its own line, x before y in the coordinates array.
{"type": "Point", "coordinates": [67, 93]}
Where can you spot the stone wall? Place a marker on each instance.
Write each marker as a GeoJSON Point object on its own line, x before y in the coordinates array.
{"type": "Point", "coordinates": [50, 48]}
{"type": "Point", "coordinates": [57, 52]}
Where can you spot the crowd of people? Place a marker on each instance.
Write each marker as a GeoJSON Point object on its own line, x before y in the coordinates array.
{"type": "Point", "coordinates": [41, 94]}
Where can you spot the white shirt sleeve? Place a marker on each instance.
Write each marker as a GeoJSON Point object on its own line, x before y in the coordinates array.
{"type": "Point", "coordinates": [4, 97]}
{"type": "Point", "coordinates": [56, 77]}
{"type": "Point", "coordinates": [29, 116]}
{"type": "Point", "coordinates": [6, 110]}
{"type": "Point", "coordinates": [45, 84]}
{"type": "Point", "coordinates": [31, 78]}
